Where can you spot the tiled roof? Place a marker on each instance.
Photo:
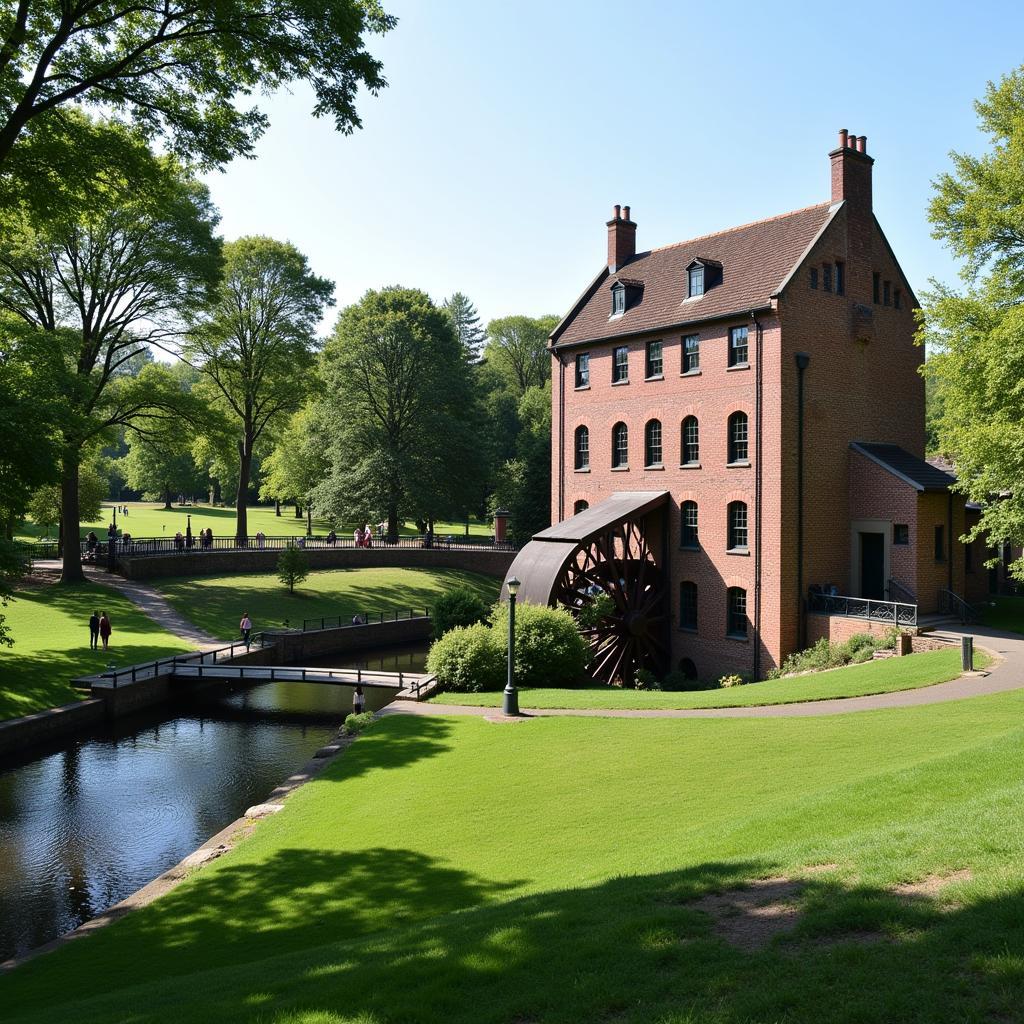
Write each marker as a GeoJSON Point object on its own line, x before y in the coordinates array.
{"type": "Point", "coordinates": [756, 259]}
{"type": "Point", "coordinates": [919, 474]}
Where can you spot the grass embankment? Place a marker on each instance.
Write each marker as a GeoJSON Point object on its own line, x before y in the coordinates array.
{"type": "Point", "coordinates": [450, 870]}
{"type": "Point", "coordinates": [215, 603]}
{"type": "Point", "coordinates": [150, 519]}
{"type": "Point", "coordinates": [907, 673]}
{"type": "Point", "coordinates": [50, 626]}
{"type": "Point", "coordinates": [1004, 613]}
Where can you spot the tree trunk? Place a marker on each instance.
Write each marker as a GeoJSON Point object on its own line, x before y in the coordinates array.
{"type": "Point", "coordinates": [392, 524]}
{"type": "Point", "coordinates": [298, 511]}
{"type": "Point", "coordinates": [277, 507]}
{"type": "Point", "coordinates": [309, 521]}
{"type": "Point", "coordinates": [71, 564]}
{"type": "Point", "coordinates": [167, 497]}
{"type": "Point", "coordinates": [244, 469]}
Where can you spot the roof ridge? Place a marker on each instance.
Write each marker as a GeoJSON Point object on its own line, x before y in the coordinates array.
{"type": "Point", "coordinates": [738, 227]}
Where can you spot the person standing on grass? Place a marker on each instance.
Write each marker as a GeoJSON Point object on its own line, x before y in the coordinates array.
{"type": "Point", "coordinates": [94, 631]}
{"type": "Point", "coordinates": [105, 630]}
{"type": "Point", "coordinates": [358, 701]}
{"type": "Point", "coordinates": [246, 627]}
{"type": "Point", "coordinates": [357, 536]}
{"type": "Point", "coordinates": [367, 536]}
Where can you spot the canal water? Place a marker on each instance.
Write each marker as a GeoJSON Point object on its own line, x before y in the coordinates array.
{"type": "Point", "coordinates": [85, 824]}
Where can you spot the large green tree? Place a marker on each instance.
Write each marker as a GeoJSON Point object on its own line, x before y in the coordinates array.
{"type": "Point", "coordinates": [976, 333]}
{"type": "Point", "coordinates": [466, 321]}
{"type": "Point", "coordinates": [255, 350]}
{"type": "Point", "coordinates": [398, 412]}
{"type": "Point", "coordinates": [517, 349]}
{"type": "Point", "coordinates": [86, 294]}
{"type": "Point", "coordinates": [181, 69]}
{"type": "Point", "coordinates": [297, 463]}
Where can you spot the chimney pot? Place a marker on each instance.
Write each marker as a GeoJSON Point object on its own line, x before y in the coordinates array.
{"type": "Point", "coordinates": [843, 134]}
{"type": "Point", "coordinates": [621, 239]}
{"type": "Point", "coordinates": [851, 142]}
{"type": "Point", "coordinates": [616, 212]}
{"type": "Point", "coordinates": [862, 144]}
{"type": "Point", "coordinates": [625, 213]}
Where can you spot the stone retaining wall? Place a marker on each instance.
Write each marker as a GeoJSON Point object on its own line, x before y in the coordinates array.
{"type": "Point", "coordinates": [52, 724]}
{"type": "Point", "coordinates": [213, 563]}
{"type": "Point", "coordinates": [293, 648]}
{"type": "Point", "coordinates": [839, 628]}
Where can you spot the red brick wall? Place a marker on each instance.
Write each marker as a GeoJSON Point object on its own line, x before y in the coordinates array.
{"type": "Point", "coordinates": [839, 629]}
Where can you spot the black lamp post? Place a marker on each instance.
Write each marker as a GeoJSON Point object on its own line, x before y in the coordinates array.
{"type": "Point", "coordinates": [510, 704]}
{"type": "Point", "coordinates": [188, 530]}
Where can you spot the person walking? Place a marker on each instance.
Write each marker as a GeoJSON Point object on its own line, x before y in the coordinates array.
{"type": "Point", "coordinates": [105, 630]}
{"type": "Point", "coordinates": [367, 536]}
{"type": "Point", "coordinates": [246, 627]}
{"type": "Point", "coordinates": [357, 536]}
{"type": "Point", "coordinates": [94, 631]}
{"type": "Point", "coordinates": [358, 701]}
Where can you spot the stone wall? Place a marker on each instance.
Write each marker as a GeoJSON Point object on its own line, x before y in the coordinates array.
{"type": "Point", "coordinates": [293, 648]}
{"type": "Point", "coordinates": [52, 724]}
{"type": "Point", "coordinates": [219, 563]}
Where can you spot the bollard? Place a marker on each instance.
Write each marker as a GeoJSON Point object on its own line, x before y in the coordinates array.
{"type": "Point", "coordinates": [967, 653]}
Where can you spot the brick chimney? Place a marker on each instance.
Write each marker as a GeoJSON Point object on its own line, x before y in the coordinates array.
{"type": "Point", "coordinates": [621, 238]}
{"type": "Point", "coordinates": [851, 183]}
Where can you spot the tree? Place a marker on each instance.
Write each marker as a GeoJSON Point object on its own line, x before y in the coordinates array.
{"type": "Point", "coordinates": [292, 566]}
{"type": "Point", "coordinates": [46, 506]}
{"type": "Point", "coordinates": [524, 486]}
{"type": "Point", "coordinates": [297, 464]}
{"type": "Point", "coordinates": [398, 412]}
{"type": "Point", "coordinates": [976, 335]}
{"type": "Point", "coordinates": [177, 70]}
{"type": "Point", "coordinates": [87, 295]}
{"type": "Point", "coordinates": [161, 465]}
{"type": "Point", "coordinates": [517, 348]}
{"type": "Point", "coordinates": [256, 347]}
{"type": "Point", "coordinates": [466, 321]}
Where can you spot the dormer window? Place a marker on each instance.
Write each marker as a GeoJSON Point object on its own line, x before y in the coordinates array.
{"type": "Point", "coordinates": [618, 300]}
{"type": "Point", "coordinates": [701, 276]}
{"type": "Point", "coordinates": [626, 293]}
{"type": "Point", "coordinates": [696, 281]}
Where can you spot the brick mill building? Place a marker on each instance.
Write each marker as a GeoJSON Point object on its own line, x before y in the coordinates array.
{"type": "Point", "coordinates": [749, 405]}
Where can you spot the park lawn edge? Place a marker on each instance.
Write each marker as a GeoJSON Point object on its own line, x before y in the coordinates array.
{"type": "Point", "coordinates": [590, 698]}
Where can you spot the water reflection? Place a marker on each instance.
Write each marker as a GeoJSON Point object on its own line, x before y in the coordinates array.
{"type": "Point", "coordinates": [86, 823]}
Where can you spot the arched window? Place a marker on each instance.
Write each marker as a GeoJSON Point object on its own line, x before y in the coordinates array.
{"type": "Point", "coordinates": [620, 446]}
{"type": "Point", "coordinates": [580, 506]}
{"type": "Point", "coordinates": [737, 524]}
{"type": "Point", "coordinates": [652, 443]}
{"type": "Point", "coordinates": [582, 448]}
{"type": "Point", "coordinates": [737, 620]}
{"type": "Point", "coordinates": [687, 667]}
{"type": "Point", "coordinates": [738, 437]}
{"type": "Point", "coordinates": [690, 446]}
{"type": "Point", "coordinates": [688, 605]}
{"type": "Point", "coordinates": [688, 525]}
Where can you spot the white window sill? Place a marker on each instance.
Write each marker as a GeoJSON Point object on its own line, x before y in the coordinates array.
{"type": "Point", "coordinates": [742, 464]}
{"type": "Point", "coordinates": [585, 469]}
{"type": "Point", "coordinates": [655, 467]}
{"type": "Point", "coordinates": [689, 465]}
{"type": "Point", "coordinates": [738, 551]}
{"type": "Point", "coordinates": [620, 469]}
{"type": "Point", "coordinates": [619, 383]}
{"type": "Point", "coordinates": [656, 376]}
{"type": "Point", "coordinates": [690, 373]}
{"type": "Point", "coordinates": [738, 366]}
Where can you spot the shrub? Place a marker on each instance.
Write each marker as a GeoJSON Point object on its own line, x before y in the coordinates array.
{"type": "Point", "coordinates": [591, 614]}
{"type": "Point", "coordinates": [549, 648]}
{"type": "Point", "coordinates": [468, 659]}
{"type": "Point", "coordinates": [292, 567]}
{"type": "Point", "coordinates": [458, 607]}
{"type": "Point", "coordinates": [645, 679]}
{"type": "Point", "coordinates": [357, 723]}
{"type": "Point", "coordinates": [729, 681]}
{"type": "Point", "coordinates": [858, 642]}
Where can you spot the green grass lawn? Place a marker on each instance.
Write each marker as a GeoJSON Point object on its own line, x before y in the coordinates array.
{"type": "Point", "coordinates": [1004, 613]}
{"type": "Point", "coordinates": [451, 871]}
{"type": "Point", "coordinates": [150, 519]}
{"type": "Point", "coordinates": [50, 626]}
{"type": "Point", "coordinates": [853, 681]}
{"type": "Point", "coordinates": [214, 603]}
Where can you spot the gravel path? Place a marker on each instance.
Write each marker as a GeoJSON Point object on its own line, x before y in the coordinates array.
{"type": "Point", "coordinates": [1006, 673]}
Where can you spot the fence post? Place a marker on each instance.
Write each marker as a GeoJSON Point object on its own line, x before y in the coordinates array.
{"type": "Point", "coordinates": [359, 676]}
{"type": "Point", "coordinates": [967, 653]}
{"type": "Point", "coordinates": [401, 684]}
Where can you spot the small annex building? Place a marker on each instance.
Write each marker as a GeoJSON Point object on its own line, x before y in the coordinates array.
{"type": "Point", "coordinates": [765, 380]}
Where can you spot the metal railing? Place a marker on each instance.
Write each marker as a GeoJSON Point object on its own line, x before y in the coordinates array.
{"type": "Point", "coordinates": [299, 674]}
{"type": "Point", "coordinates": [951, 603]}
{"type": "Point", "coordinates": [895, 612]}
{"type": "Point", "coordinates": [365, 619]}
{"type": "Point", "coordinates": [895, 591]}
{"type": "Point", "coordinates": [152, 669]}
{"type": "Point", "coordinates": [141, 546]}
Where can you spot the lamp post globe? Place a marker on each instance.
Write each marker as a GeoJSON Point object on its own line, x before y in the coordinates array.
{"type": "Point", "coordinates": [510, 703]}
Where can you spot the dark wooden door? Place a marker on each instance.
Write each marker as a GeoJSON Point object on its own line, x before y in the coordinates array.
{"type": "Point", "coordinates": [872, 566]}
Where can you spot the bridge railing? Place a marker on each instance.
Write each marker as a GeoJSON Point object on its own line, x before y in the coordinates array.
{"type": "Point", "coordinates": [152, 669]}
{"type": "Point", "coordinates": [364, 619]}
{"type": "Point", "coordinates": [300, 674]}
{"type": "Point", "coordinates": [893, 612]}
{"type": "Point", "coordinates": [143, 546]}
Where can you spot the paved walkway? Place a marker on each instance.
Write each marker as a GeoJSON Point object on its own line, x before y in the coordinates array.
{"type": "Point", "coordinates": [1007, 673]}
{"type": "Point", "coordinates": [155, 605]}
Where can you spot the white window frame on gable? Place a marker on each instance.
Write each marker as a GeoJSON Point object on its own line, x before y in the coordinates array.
{"type": "Point", "coordinates": [618, 299]}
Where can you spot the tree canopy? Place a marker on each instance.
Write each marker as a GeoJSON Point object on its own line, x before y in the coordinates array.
{"type": "Point", "coordinates": [178, 70]}
{"type": "Point", "coordinates": [976, 333]}
{"type": "Point", "coordinates": [517, 349]}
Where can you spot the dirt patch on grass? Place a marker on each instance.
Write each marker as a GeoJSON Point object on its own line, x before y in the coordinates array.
{"type": "Point", "coordinates": [930, 887]}
{"type": "Point", "coordinates": [749, 918]}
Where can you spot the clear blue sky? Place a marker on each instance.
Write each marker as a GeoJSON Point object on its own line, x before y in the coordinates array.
{"type": "Point", "coordinates": [491, 162]}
